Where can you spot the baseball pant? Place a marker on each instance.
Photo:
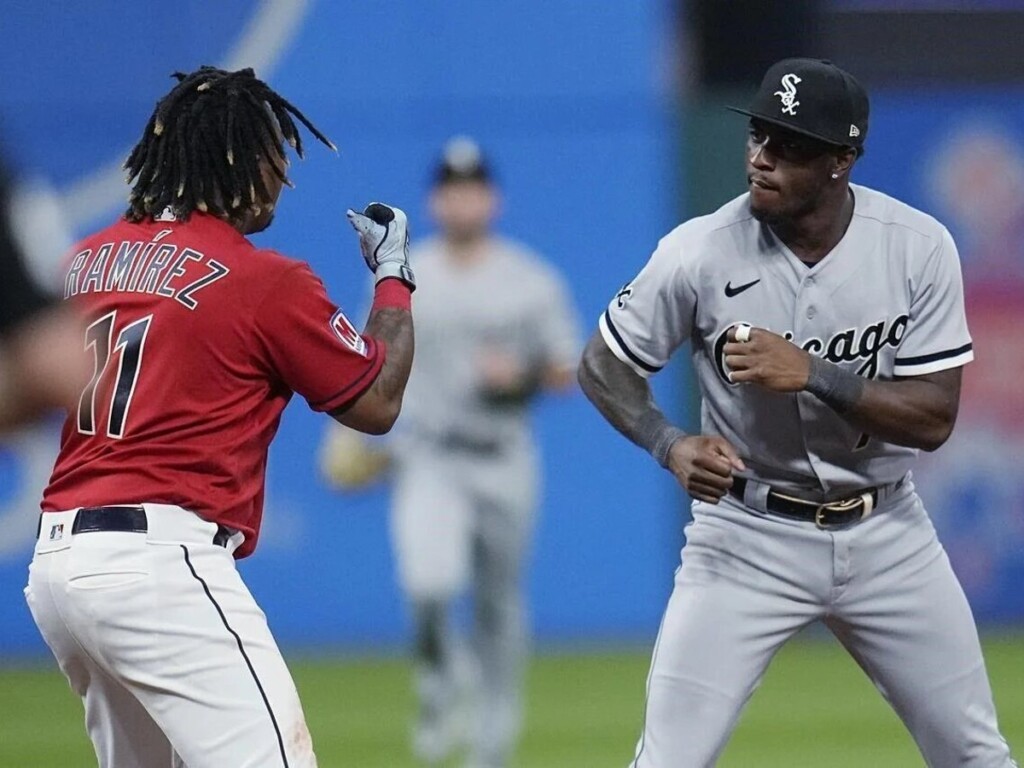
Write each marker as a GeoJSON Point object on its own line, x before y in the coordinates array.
{"type": "Point", "coordinates": [749, 582]}
{"type": "Point", "coordinates": [461, 522]}
{"type": "Point", "coordinates": [166, 646]}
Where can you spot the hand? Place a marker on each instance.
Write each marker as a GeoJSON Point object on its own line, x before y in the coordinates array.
{"type": "Point", "coordinates": [500, 370]}
{"type": "Point", "coordinates": [384, 241]}
{"type": "Point", "coordinates": [767, 360]}
{"type": "Point", "coordinates": [505, 380]}
{"type": "Point", "coordinates": [703, 465]}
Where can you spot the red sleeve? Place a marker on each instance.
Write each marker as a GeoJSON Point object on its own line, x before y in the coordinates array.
{"type": "Point", "coordinates": [312, 345]}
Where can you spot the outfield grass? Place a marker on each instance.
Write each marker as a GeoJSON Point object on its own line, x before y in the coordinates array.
{"type": "Point", "coordinates": [815, 708]}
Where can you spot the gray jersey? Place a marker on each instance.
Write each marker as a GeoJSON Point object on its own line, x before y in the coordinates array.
{"type": "Point", "coordinates": [886, 302]}
{"type": "Point", "coordinates": [466, 479]}
{"type": "Point", "coordinates": [510, 301]}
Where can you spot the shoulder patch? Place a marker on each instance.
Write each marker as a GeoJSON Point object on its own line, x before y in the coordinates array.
{"type": "Point", "coordinates": [345, 331]}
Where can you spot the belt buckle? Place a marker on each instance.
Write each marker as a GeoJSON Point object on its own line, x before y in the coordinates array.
{"type": "Point", "coordinates": [845, 505]}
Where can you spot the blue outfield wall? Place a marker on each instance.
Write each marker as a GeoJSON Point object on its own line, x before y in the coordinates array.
{"type": "Point", "coordinates": [571, 103]}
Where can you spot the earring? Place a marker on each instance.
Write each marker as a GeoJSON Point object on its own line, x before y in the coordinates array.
{"type": "Point", "coordinates": [835, 175]}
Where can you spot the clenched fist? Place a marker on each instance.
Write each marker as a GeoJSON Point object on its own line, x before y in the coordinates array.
{"type": "Point", "coordinates": [384, 241]}
{"type": "Point", "coordinates": [704, 465]}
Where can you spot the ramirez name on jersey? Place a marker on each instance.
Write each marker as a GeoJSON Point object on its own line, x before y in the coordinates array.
{"type": "Point", "coordinates": [143, 267]}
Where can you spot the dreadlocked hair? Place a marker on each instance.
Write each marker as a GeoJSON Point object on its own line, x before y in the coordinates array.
{"type": "Point", "coordinates": [203, 145]}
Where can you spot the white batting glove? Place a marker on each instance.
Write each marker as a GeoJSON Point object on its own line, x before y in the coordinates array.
{"type": "Point", "coordinates": [384, 241]}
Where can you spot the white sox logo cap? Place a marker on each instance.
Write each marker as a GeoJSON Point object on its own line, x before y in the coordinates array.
{"type": "Point", "coordinates": [788, 94]}
{"type": "Point", "coordinates": [813, 97]}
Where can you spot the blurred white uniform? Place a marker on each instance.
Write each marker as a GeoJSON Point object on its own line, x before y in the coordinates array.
{"type": "Point", "coordinates": [466, 468]}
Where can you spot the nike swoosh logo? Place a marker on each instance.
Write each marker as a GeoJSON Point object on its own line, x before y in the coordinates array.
{"type": "Point", "coordinates": [730, 291]}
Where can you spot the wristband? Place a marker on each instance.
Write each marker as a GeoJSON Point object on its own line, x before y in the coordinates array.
{"type": "Point", "coordinates": [396, 269]}
{"type": "Point", "coordinates": [392, 293]}
{"type": "Point", "coordinates": [657, 436]}
{"type": "Point", "coordinates": [837, 387]}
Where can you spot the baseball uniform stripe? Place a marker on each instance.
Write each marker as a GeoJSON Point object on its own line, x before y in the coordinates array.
{"type": "Point", "coordinates": [241, 648]}
{"type": "Point", "coordinates": [623, 352]}
{"type": "Point", "coordinates": [938, 361]}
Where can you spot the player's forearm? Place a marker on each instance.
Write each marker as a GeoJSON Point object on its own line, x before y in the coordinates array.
{"type": "Point", "coordinates": [390, 324]}
{"type": "Point", "coordinates": [917, 412]}
{"type": "Point", "coordinates": [625, 400]}
{"type": "Point", "coordinates": [393, 327]}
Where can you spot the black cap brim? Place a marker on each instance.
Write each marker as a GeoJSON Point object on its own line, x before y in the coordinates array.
{"type": "Point", "coordinates": [790, 127]}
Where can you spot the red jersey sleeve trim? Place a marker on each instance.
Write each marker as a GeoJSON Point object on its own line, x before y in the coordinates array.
{"type": "Point", "coordinates": [353, 390]}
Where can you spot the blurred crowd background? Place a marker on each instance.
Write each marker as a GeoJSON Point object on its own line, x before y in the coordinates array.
{"type": "Point", "coordinates": [605, 124]}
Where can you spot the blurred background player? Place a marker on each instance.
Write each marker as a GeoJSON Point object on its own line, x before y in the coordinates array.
{"type": "Point", "coordinates": [42, 365]}
{"type": "Point", "coordinates": [495, 328]}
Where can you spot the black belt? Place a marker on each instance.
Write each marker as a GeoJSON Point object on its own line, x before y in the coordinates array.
{"type": "Point", "coordinates": [829, 514]}
{"type": "Point", "coordinates": [125, 520]}
{"type": "Point", "coordinates": [481, 446]}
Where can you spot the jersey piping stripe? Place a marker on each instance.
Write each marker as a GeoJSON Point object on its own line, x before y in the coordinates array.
{"type": "Point", "coordinates": [935, 366]}
{"type": "Point", "coordinates": [355, 388]}
{"type": "Point", "coordinates": [241, 648]}
{"type": "Point", "coordinates": [622, 345]}
{"type": "Point", "coordinates": [922, 359]}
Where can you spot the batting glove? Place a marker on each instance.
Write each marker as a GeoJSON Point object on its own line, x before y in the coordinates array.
{"type": "Point", "coordinates": [384, 241]}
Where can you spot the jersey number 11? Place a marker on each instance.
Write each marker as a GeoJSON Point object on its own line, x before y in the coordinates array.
{"type": "Point", "coordinates": [130, 343]}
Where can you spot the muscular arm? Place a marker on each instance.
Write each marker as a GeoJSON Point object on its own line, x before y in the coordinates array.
{"type": "Point", "coordinates": [918, 412]}
{"type": "Point", "coordinates": [377, 409]}
{"type": "Point", "coordinates": [623, 398]}
{"type": "Point", "coordinates": [384, 242]}
{"type": "Point", "coordinates": [703, 465]}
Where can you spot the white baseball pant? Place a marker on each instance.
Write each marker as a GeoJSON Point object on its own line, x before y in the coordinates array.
{"type": "Point", "coordinates": [168, 649]}
{"type": "Point", "coordinates": [463, 521]}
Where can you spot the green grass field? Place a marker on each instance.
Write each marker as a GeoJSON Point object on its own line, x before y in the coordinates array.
{"type": "Point", "coordinates": [815, 708]}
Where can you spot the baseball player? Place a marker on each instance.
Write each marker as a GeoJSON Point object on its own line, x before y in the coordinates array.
{"type": "Point", "coordinates": [495, 327]}
{"type": "Point", "coordinates": [199, 339]}
{"type": "Point", "coordinates": [41, 362]}
{"type": "Point", "coordinates": [827, 329]}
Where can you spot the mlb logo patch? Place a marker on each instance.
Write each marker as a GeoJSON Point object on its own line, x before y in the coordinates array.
{"type": "Point", "coordinates": [57, 532]}
{"type": "Point", "coordinates": [345, 331]}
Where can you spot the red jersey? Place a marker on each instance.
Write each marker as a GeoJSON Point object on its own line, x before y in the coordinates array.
{"type": "Point", "coordinates": [199, 340]}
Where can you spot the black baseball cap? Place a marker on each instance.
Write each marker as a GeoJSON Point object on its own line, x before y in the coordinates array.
{"type": "Point", "coordinates": [815, 98]}
{"type": "Point", "coordinates": [462, 160]}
